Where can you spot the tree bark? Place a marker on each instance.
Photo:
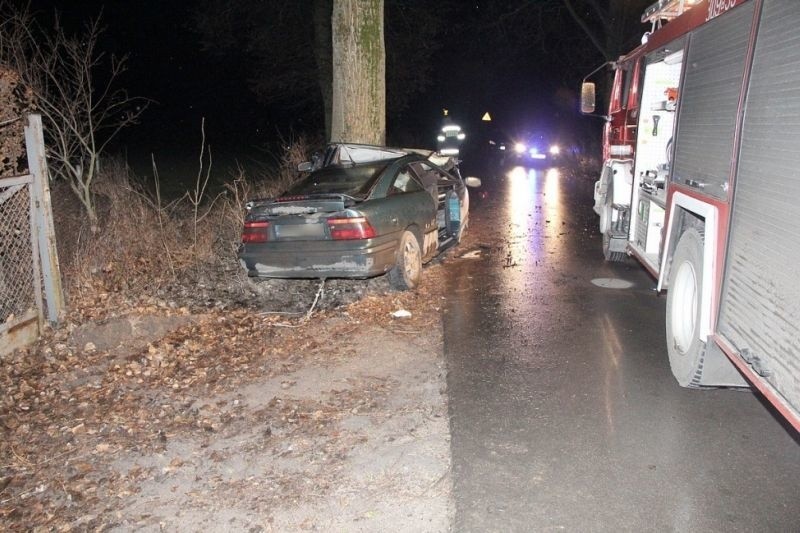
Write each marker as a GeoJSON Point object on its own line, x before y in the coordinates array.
{"type": "Point", "coordinates": [359, 72]}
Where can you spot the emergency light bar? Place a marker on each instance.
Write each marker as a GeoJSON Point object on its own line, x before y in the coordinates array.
{"type": "Point", "coordinates": [667, 10]}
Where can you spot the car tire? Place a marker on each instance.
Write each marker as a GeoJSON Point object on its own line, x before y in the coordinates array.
{"type": "Point", "coordinates": [461, 231]}
{"type": "Point", "coordinates": [686, 350]}
{"type": "Point", "coordinates": [407, 270]}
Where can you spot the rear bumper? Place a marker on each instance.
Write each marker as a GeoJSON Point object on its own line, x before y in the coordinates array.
{"type": "Point", "coordinates": [320, 259]}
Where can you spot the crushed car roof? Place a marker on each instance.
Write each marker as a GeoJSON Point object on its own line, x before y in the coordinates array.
{"type": "Point", "coordinates": [354, 153]}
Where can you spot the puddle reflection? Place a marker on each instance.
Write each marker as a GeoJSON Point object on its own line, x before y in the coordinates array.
{"type": "Point", "coordinates": [535, 215]}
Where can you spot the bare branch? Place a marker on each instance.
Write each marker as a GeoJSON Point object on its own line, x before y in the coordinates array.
{"type": "Point", "coordinates": [81, 119]}
{"type": "Point", "coordinates": [601, 13]}
{"type": "Point", "coordinates": [586, 29]}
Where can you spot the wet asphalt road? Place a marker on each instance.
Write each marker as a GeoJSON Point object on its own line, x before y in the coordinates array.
{"type": "Point", "coordinates": [564, 414]}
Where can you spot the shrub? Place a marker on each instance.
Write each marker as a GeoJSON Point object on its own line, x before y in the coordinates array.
{"type": "Point", "coordinates": [143, 244]}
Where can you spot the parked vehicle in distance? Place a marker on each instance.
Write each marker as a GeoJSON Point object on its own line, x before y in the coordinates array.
{"type": "Point", "coordinates": [364, 211]}
{"type": "Point", "coordinates": [525, 150]}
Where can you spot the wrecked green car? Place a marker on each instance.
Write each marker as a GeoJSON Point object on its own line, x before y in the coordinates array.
{"type": "Point", "coordinates": [371, 211]}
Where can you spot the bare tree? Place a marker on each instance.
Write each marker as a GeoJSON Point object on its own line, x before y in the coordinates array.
{"type": "Point", "coordinates": [75, 89]}
{"type": "Point", "coordinates": [612, 26]}
{"type": "Point", "coordinates": [359, 72]}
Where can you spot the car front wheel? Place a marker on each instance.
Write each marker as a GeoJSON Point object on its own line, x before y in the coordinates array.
{"type": "Point", "coordinates": [407, 271]}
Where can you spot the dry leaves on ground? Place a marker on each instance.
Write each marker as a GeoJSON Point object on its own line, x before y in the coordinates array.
{"type": "Point", "coordinates": [70, 405]}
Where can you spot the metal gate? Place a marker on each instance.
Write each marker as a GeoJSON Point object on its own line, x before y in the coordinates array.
{"type": "Point", "coordinates": [30, 282]}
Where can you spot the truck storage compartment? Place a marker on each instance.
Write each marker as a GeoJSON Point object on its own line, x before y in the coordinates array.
{"type": "Point", "coordinates": [760, 302]}
{"type": "Point", "coordinates": [709, 102]}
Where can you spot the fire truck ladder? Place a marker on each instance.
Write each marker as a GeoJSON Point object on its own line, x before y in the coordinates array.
{"type": "Point", "coordinates": [666, 10]}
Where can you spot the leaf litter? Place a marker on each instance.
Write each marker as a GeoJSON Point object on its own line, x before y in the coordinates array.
{"type": "Point", "coordinates": [193, 408]}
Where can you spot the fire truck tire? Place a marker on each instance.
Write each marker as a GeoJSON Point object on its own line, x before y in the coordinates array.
{"type": "Point", "coordinates": [407, 271]}
{"type": "Point", "coordinates": [686, 351]}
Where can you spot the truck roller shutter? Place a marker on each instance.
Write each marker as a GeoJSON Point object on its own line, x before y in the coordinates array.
{"type": "Point", "coordinates": [709, 102]}
{"type": "Point", "coordinates": [760, 303]}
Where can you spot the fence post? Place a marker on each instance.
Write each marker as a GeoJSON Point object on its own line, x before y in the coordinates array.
{"type": "Point", "coordinates": [48, 253]}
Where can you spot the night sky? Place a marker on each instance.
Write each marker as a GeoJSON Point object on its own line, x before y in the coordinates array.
{"type": "Point", "coordinates": [166, 65]}
{"type": "Point", "coordinates": [522, 65]}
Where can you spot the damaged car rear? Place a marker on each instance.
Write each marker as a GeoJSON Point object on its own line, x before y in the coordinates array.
{"type": "Point", "coordinates": [358, 220]}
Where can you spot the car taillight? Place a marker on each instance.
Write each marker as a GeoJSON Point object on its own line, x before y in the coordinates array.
{"type": "Point", "coordinates": [350, 228]}
{"type": "Point", "coordinates": [255, 231]}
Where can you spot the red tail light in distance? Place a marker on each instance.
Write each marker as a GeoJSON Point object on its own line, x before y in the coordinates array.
{"type": "Point", "coordinates": [350, 228]}
{"type": "Point", "coordinates": [255, 231]}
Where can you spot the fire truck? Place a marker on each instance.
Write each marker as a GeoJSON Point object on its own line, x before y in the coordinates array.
{"type": "Point", "coordinates": [701, 184]}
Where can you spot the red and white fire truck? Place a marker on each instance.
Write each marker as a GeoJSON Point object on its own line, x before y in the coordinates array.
{"type": "Point", "coordinates": [701, 184]}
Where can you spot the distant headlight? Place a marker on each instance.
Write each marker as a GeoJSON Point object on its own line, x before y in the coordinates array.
{"type": "Point", "coordinates": [461, 136]}
{"type": "Point", "coordinates": [555, 150]}
{"type": "Point", "coordinates": [520, 148]}
{"type": "Point", "coordinates": [440, 138]}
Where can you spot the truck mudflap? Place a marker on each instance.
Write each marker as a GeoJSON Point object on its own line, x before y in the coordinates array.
{"type": "Point", "coordinates": [612, 192]}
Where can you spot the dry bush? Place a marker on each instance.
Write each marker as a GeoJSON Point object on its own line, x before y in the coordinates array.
{"type": "Point", "coordinates": [240, 189]}
{"type": "Point", "coordinates": [130, 251]}
{"type": "Point", "coordinates": [15, 102]}
{"type": "Point", "coordinates": [144, 244]}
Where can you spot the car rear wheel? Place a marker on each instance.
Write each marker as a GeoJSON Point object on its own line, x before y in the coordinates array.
{"type": "Point", "coordinates": [407, 271]}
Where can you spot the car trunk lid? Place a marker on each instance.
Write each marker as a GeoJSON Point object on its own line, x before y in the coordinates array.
{"type": "Point", "coordinates": [300, 217]}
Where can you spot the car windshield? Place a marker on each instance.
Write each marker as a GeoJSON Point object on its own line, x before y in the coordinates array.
{"type": "Point", "coordinates": [353, 181]}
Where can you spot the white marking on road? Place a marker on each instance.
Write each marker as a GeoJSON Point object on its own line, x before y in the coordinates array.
{"type": "Point", "coordinates": [612, 283]}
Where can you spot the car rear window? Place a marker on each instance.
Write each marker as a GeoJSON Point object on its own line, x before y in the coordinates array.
{"type": "Point", "coordinates": [353, 181]}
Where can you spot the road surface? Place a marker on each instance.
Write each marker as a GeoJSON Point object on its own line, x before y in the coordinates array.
{"type": "Point", "coordinates": [564, 414]}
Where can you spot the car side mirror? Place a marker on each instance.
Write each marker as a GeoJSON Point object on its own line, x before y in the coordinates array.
{"type": "Point", "coordinates": [587, 97]}
{"type": "Point", "coordinates": [306, 166]}
{"type": "Point", "coordinates": [472, 181]}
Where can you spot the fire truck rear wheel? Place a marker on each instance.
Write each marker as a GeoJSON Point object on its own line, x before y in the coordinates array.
{"type": "Point", "coordinates": [686, 350]}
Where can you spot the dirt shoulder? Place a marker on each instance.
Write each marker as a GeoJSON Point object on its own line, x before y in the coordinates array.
{"type": "Point", "coordinates": [155, 415]}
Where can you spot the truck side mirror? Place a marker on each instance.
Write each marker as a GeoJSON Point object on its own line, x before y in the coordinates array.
{"type": "Point", "coordinates": [587, 97]}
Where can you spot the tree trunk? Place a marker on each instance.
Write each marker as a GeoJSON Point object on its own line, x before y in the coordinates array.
{"type": "Point", "coordinates": [359, 77]}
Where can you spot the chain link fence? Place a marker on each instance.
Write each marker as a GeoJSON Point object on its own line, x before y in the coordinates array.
{"type": "Point", "coordinates": [17, 296]}
{"type": "Point", "coordinates": [30, 281]}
